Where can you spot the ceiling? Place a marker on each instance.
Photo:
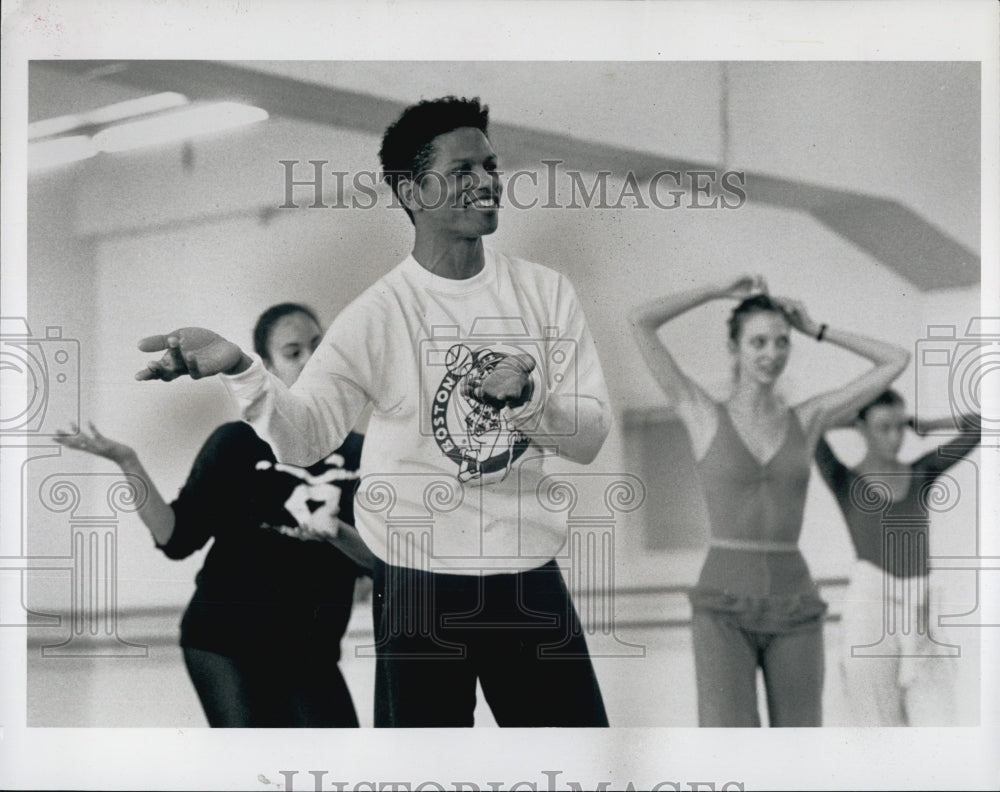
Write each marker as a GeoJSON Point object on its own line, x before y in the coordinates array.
{"type": "Point", "coordinates": [899, 231]}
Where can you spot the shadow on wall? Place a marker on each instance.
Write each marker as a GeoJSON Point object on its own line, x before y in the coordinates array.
{"type": "Point", "coordinates": [674, 515]}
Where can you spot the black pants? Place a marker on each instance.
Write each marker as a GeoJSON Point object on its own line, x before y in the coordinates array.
{"type": "Point", "coordinates": [270, 692]}
{"type": "Point", "coordinates": [518, 634]}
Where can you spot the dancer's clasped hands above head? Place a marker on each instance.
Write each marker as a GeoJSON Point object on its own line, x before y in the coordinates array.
{"type": "Point", "coordinates": [744, 286]}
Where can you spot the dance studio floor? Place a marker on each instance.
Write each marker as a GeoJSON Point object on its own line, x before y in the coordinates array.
{"type": "Point", "coordinates": [654, 690]}
{"type": "Point", "coordinates": [645, 667]}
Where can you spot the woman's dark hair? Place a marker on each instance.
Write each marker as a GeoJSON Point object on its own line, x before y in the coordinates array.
{"type": "Point", "coordinates": [408, 144]}
{"type": "Point", "coordinates": [759, 303]}
{"type": "Point", "coordinates": [887, 398]}
{"type": "Point", "coordinates": [267, 320]}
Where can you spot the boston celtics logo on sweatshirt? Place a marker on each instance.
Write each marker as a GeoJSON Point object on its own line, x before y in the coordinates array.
{"type": "Point", "coordinates": [471, 428]}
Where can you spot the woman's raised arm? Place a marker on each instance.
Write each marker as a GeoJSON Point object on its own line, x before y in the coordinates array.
{"type": "Point", "coordinates": [646, 320]}
{"type": "Point", "coordinates": [829, 409]}
{"type": "Point", "coordinates": [153, 511]}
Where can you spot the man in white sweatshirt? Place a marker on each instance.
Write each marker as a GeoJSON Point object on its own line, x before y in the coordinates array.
{"type": "Point", "coordinates": [478, 367]}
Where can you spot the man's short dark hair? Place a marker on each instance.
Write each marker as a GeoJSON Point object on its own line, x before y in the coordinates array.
{"type": "Point", "coordinates": [408, 143]}
{"type": "Point", "coordinates": [887, 398]}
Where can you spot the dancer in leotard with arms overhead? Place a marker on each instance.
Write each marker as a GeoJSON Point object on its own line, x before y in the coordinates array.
{"type": "Point", "coordinates": [755, 604]}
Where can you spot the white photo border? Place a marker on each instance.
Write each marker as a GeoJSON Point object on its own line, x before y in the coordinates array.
{"type": "Point", "coordinates": [213, 759]}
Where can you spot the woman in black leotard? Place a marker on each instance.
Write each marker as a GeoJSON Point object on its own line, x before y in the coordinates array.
{"type": "Point", "coordinates": [755, 604]}
{"type": "Point", "coordinates": [895, 673]}
{"type": "Point", "coordinates": [261, 635]}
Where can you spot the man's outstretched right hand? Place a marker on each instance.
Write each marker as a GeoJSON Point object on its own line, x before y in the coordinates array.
{"type": "Point", "coordinates": [194, 351]}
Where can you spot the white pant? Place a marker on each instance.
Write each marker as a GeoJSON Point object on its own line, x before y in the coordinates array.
{"type": "Point", "coordinates": [895, 673]}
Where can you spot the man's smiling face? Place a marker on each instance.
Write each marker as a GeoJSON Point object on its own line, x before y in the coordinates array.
{"type": "Point", "coordinates": [459, 194]}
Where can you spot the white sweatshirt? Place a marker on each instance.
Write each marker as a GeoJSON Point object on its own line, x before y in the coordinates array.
{"type": "Point", "coordinates": [449, 484]}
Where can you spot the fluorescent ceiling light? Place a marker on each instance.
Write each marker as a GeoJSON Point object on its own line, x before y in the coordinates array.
{"type": "Point", "coordinates": [144, 105]}
{"type": "Point", "coordinates": [54, 126]}
{"type": "Point", "coordinates": [173, 126]}
{"type": "Point", "coordinates": [60, 151]}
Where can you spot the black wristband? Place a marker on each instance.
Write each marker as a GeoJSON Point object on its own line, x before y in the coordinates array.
{"type": "Point", "coordinates": [821, 333]}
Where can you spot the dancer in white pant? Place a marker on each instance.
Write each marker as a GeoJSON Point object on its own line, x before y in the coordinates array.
{"type": "Point", "coordinates": [895, 672]}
